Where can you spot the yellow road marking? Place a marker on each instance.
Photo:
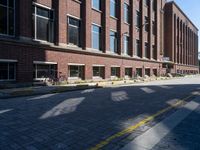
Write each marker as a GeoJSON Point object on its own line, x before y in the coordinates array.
{"type": "Point", "coordinates": [134, 127]}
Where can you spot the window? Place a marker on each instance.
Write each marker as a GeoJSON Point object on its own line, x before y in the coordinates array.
{"type": "Point", "coordinates": [137, 19]}
{"type": "Point", "coordinates": [76, 71]}
{"type": "Point", "coordinates": [126, 13]}
{"type": "Point", "coordinates": [7, 15]}
{"type": "Point", "coordinates": [146, 2]}
{"type": "Point", "coordinates": [154, 5]}
{"type": "Point", "coordinates": [155, 72]}
{"type": "Point", "coordinates": [138, 50]}
{"type": "Point", "coordinates": [43, 20]}
{"type": "Point", "coordinates": [96, 37]}
{"type": "Point", "coordinates": [113, 41]}
{"type": "Point", "coordinates": [146, 50]}
{"type": "Point", "coordinates": [115, 72]}
{"type": "Point", "coordinates": [128, 72]}
{"type": "Point", "coordinates": [148, 72]}
{"type": "Point", "coordinates": [74, 31]}
{"type": "Point", "coordinates": [44, 71]}
{"type": "Point", "coordinates": [98, 71]}
{"type": "Point", "coordinates": [96, 4]}
{"type": "Point", "coordinates": [7, 71]}
{"type": "Point", "coordinates": [138, 72]}
{"type": "Point", "coordinates": [126, 45]}
{"type": "Point", "coordinates": [153, 28]}
{"type": "Point", "coordinates": [154, 52]}
{"type": "Point", "coordinates": [146, 19]}
{"type": "Point", "coordinates": [113, 6]}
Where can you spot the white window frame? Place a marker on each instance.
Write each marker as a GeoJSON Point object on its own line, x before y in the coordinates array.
{"type": "Point", "coordinates": [34, 14]}
{"type": "Point", "coordinates": [42, 63]}
{"type": "Point", "coordinates": [78, 65]}
{"type": "Point", "coordinates": [9, 61]}
{"type": "Point", "coordinates": [71, 16]}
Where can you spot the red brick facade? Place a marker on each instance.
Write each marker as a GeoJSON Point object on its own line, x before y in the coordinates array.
{"type": "Point", "coordinates": [25, 50]}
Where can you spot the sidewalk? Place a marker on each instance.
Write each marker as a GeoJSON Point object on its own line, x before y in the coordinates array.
{"type": "Point", "coordinates": [39, 90]}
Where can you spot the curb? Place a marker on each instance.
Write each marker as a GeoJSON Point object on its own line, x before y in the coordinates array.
{"type": "Point", "coordinates": [31, 92]}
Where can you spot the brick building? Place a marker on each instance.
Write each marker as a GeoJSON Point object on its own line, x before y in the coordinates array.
{"type": "Point", "coordinates": [93, 39]}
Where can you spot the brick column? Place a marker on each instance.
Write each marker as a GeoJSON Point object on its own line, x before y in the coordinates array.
{"type": "Point", "coordinates": [150, 29]}
{"type": "Point", "coordinates": [25, 19]}
{"type": "Point", "coordinates": [142, 27]}
{"type": "Point", "coordinates": [120, 26]}
{"type": "Point", "coordinates": [132, 28]}
{"type": "Point", "coordinates": [61, 21]}
{"type": "Point", "coordinates": [175, 40]}
{"type": "Point", "coordinates": [178, 41]}
{"type": "Point", "coordinates": [87, 24]}
{"type": "Point", "coordinates": [184, 44]}
{"type": "Point", "coordinates": [106, 26]}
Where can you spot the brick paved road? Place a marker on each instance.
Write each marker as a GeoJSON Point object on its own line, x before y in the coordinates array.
{"type": "Point", "coordinates": [81, 119]}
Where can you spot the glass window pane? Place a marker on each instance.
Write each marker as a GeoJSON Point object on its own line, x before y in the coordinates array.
{"type": "Point", "coordinates": [96, 4]}
{"type": "Point", "coordinates": [11, 21]}
{"type": "Point", "coordinates": [11, 3]}
{"type": "Point", "coordinates": [11, 71]}
{"type": "Point", "coordinates": [3, 2]}
{"type": "Point", "coordinates": [96, 37]}
{"type": "Point", "coordinates": [42, 29]}
{"type": "Point", "coordinates": [43, 12]}
{"type": "Point", "coordinates": [3, 20]}
{"type": "Point", "coordinates": [3, 71]}
{"type": "Point", "coordinates": [113, 8]}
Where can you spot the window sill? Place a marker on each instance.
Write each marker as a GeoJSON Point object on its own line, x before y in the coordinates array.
{"type": "Point", "coordinates": [99, 11]}
{"type": "Point", "coordinates": [127, 23]}
{"type": "Point", "coordinates": [113, 17]}
{"type": "Point", "coordinates": [77, 1]}
{"type": "Point", "coordinates": [43, 42]}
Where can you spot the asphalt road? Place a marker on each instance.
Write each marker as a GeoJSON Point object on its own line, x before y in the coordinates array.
{"type": "Point", "coordinates": [81, 120]}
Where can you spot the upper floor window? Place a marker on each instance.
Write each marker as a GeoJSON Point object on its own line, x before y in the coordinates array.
{"type": "Point", "coordinates": [138, 49]}
{"type": "Point", "coordinates": [96, 4]}
{"type": "Point", "coordinates": [113, 6]}
{"type": "Point", "coordinates": [146, 2]}
{"type": "Point", "coordinates": [113, 41]}
{"type": "Point", "coordinates": [73, 31]}
{"type": "Point", "coordinates": [126, 13]}
{"type": "Point", "coordinates": [7, 15]}
{"type": "Point", "coordinates": [137, 19]}
{"type": "Point", "coordinates": [154, 5]}
{"type": "Point", "coordinates": [146, 24]}
{"type": "Point", "coordinates": [126, 45]}
{"type": "Point", "coordinates": [7, 71]}
{"type": "Point", "coordinates": [43, 20]}
{"type": "Point", "coordinates": [96, 37]}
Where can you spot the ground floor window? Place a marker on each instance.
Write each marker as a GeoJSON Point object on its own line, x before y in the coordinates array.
{"type": "Point", "coordinates": [98, 72]}
{"type": "Point", "coordinates": [148, 72]}
{"type": "Point", "coordinates": [44, 71]}
{"type": "Point", "coordinates": [128, 72]}
{"type": "Point", "coordinates": [76, 71]}
{"type": "Point", "coordinates": [155, 72]}
{"type": "Point", "coordinates": [138, 72]}
{"type": "Point", "coordinates": [115, 72]}
{"type": "Point", "coordinates": [7, 71]}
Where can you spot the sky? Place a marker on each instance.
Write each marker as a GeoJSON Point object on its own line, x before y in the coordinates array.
{"type": "Point", "coordinates": [192, 10]}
